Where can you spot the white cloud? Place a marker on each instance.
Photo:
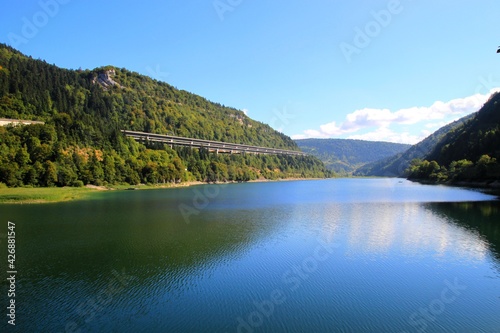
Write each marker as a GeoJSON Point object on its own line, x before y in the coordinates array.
{"type": "Point", "coordinates": [386, 134]}
{"type": "Point", "coordinates": [245, 111]}
{"type": "Point", "coordinates": [434, 116]}
{"type": "Point", "coordinates": [331, 129]}
{"type": "Point", "coordinates": [310, 134]}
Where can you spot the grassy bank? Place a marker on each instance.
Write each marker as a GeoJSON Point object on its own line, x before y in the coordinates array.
{"type": "Point", "coordinates": [40, 195]}
{"type": "Point", "coordinates": [23, 195]}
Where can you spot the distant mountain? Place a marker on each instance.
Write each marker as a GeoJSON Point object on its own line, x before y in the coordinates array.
{"type": "Point", "coordinates": [395, 166]}
{"type": "Point", "coordinates": [345, 156]}
{"type": "Point", "coordinates": [466, 149]}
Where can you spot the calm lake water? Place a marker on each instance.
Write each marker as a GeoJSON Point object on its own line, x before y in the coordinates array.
{"type": "Point", "coordinates": [342, 255]}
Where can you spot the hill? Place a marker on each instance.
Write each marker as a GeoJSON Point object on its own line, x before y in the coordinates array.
{"type": "Point", "coordinates": [345, 156]}
{"type": "Point", "coordinates": [464, 151]}
{"type": "Point", "coordinates": [467, 153]}
{"type": "Point", "coordinates": [84, 110]}
{"type": "Point", "coordinates": [478, 136]}
{"type": "Point", "coordinates": [396, 166]}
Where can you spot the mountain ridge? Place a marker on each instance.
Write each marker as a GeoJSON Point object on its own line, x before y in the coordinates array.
{"type": "Point", "coordinates": [172, 101]}
{"type": "Point", "coordinates": [467, 154]}
{"type": "Point", "coordinates": [395, 166]}
{"type": "Point", "coordinates": [465, 151]}
{"type": "Point", "coordinates": [344, 156]}
{"type": "Point", "coordinates": [85, 110]}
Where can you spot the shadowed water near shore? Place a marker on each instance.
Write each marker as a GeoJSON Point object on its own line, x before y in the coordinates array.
{"type": "Point", "coordinates": [477, 217]}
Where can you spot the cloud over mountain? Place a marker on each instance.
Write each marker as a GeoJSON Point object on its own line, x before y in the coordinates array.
{"type": "Point", "coordinates": [408, 125]}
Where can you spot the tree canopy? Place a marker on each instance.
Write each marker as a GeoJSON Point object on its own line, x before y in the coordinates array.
{"type": "Point", "coordinates": [84, 111]}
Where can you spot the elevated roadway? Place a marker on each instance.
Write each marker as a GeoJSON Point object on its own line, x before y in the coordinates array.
{"type": "Point", "coordinates": [212, 146]}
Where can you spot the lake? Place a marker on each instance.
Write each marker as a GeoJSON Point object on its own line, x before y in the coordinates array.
{"type": "Point", "coordinates": [340, 255]}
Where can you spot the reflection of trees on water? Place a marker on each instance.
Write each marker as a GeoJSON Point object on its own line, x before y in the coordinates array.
{"type": "Point", "coordinates": [93, 238]}
{"type": "Point", "coordinates": [482, 217]}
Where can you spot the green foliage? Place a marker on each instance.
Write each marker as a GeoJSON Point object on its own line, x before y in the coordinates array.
{"type": "Point", "coordinates": [81, 142]}
{"type": "Point", "coordinates": [470, 151]}
{"type": "Point", "coordinates": [77, 183]}
{"type": "Point", "coordinates": [485, 169]}
{"type": "Point", "coordinates": [479, 136]}
{"type": "Point", "coordinates": [427, 170]}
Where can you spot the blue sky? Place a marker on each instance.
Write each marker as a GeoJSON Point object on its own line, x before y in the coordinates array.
{"type": "Point", "coordinates": [378, 70]}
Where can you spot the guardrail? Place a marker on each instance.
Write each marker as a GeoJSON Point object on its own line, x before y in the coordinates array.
{"type": "Point", "coordinates": [213, 146]}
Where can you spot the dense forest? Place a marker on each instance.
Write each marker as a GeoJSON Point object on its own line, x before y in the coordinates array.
{"type": "Point", "coordinates": [345, 156]}
{"type": "Point", "coordinates": [84, 110]}
{"type": "Point", "coordinates": [485, 169]}
{"type": "Point", "coordinates": [470, 152]}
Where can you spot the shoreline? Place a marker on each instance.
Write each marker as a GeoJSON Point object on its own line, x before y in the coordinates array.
{"type": "Point", "coordinates": [487, 184]}
{"type": "Point", "coordinates": [48, 195]}
{"type": "Point", "coordinates": [491, 187]}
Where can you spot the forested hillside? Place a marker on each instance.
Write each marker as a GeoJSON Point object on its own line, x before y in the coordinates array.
{"type": "Point", "coordinates": [397, 165]}
{"type": "Point", "coordinates": [84, 110]}
{"type": "Point", "coordinates": [468, 153]}
{"type": "Point", "coordinates": [345, 156]}
{"type": "Point", "coordinates": [479, 136]}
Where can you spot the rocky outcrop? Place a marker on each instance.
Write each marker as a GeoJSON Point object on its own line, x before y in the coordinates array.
{"type": "Point", "coordinates": [105, 79]}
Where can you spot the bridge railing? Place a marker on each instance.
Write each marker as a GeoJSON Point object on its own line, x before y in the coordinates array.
{"type": "Point", "coordinates": [217, 146]}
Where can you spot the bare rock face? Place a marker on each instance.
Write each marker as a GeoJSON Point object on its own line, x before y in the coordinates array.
{"type": "Point", "coordinates": [105, 79]}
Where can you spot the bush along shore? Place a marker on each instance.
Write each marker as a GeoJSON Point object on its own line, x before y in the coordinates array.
{"type": "Point", "coordinates": [484, 173]}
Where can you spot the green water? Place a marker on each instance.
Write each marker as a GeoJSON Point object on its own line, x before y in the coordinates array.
{"type": "Point", "coordinates": [345, 255]}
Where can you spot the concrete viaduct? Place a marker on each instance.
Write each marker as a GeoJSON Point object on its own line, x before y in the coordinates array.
{"type": "Point", "coordinates": [212, 146]}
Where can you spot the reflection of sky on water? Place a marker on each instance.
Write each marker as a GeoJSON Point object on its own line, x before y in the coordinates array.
{"type": "Point", "coordinates": [410, 228]}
